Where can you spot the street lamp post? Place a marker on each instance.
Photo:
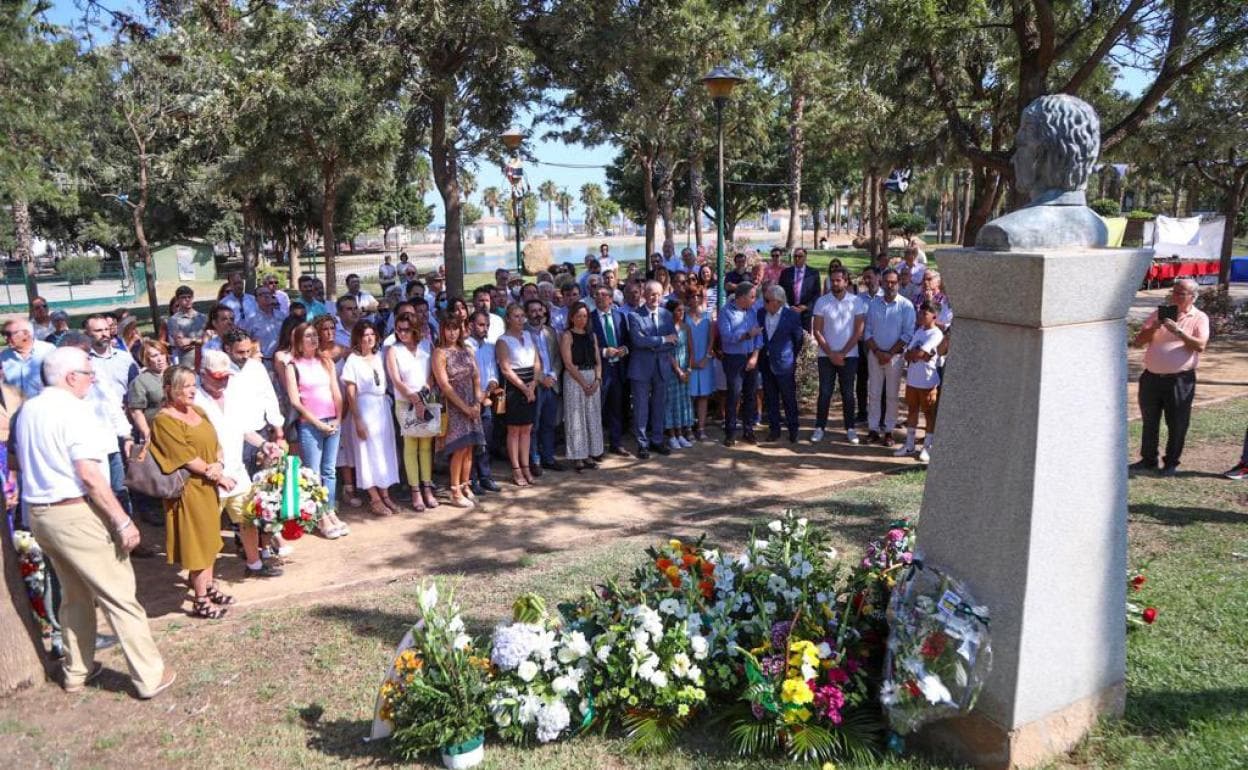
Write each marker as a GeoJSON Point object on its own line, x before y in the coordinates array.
{"type": "Point", "coordinates": [719, 83]}
{"type": "Point", "coordinates": [514, 171]}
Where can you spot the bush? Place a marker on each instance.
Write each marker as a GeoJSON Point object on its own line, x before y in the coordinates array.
{"type": "Point", "coordinates": [78, 269]}
{"type": "Point", "coordinates": [1106, 207]}
{"type": "Point", "coordinates": [1140, 214]}
{"type": "Point", "coordinates": [264, 271]}
{"type": "Point", "coordinates": [1225, 315]}
{"type": "Point", "coordinates": [908, 224]}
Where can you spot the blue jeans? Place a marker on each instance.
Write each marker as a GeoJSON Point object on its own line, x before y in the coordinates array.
{"type": "Point", "coordinates": [481, 452]}
{"type": "Point", "coordinates": [545, 419]}
{"type": "Point", "coordinates": [117, 480]}
{"type": "Point", "coordinates": [320, 453]}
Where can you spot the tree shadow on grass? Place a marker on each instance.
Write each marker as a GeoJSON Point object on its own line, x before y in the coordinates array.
{"type": "Point", "coordinates": [1182, 516]}
{"type": "Point", "coordinates": [1167, 712]}
{"type": "Point", "coordinates": [346, 739]}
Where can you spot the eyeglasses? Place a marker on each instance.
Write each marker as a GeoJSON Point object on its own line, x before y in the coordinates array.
{"type": "Point", "coordinates": [85, 372]}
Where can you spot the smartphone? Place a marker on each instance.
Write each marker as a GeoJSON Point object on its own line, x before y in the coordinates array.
{"type": "Point", "coordinates": [1170, 312]}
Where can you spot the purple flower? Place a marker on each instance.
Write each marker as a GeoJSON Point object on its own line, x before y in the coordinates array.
{"type": "Point", "coordinates": [757, 711]}
{"type": "Point", "coordinates": [907, 557]}
{"type": "Point", "coordinates": [829, 700]}
{"type": "Point", "coordinates": [773, 664]}
{"type": "Point", "coordinates": [780, 635]}
{"type": "Point", "coordinates": [896, 534]}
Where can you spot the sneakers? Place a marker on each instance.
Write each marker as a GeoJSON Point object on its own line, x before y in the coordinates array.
{"type": "Point", "coordinates": [684, 442]}
{"type": "Point", "coordinates": [1144, 466]}
{"type": "Point", "coordinates": [674, 443]}
{"type": "Point", "coordinates": [1238, 473]}
{"type": "Point", "coordinates": [903, 450]}
{"type": "Point", "coordinates": [851, 436]}
{"type": "Point", "coordinates": [817, 436]}
{"type": "Point", "coordinates": [265, 571]}
{"type": "Point", "coordinates": [924, 455]}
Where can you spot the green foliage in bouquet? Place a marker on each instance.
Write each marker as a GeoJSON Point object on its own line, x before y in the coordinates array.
{"type": "Point", "coordinates": [441, 693]}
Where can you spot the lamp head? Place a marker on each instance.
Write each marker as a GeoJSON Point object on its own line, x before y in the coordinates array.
{"type": "Point", "coordinates": [512, 137]}
{"type": "Point", "coordinates": [720, 82]}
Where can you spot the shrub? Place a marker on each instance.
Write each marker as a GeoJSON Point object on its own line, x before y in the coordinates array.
{"type": "Point", "coordinates": [1106, 207]}
{"type": "Point", "coordinates": [78, 269]}
{"type": "Point", "coordinates": [1140, 214]}
{"type": "Point", "coordinates": [908, 224]}
{"type": "Point", "coordinates": [1225, 315]}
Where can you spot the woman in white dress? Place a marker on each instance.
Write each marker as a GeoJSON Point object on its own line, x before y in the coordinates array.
{"type": "Point", "coordinates": [364, 374]}
{"type": "Point", "coordinates": [407, 364]}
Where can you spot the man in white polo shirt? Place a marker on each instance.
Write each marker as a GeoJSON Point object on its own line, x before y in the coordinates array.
{"type": "Point", "coordinates": [79, 524]}
{"type": "Point", "coordinates": [840, 318]}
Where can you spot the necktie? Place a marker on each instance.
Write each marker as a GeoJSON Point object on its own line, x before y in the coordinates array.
{"type": "Point", "coordinates": [610, 329]}
{"type": "Point", "coordinates": [654, 318]}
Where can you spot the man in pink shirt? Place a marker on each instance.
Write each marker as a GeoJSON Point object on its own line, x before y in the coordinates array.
{"type": "Point", "coordinates": [1168, 384]}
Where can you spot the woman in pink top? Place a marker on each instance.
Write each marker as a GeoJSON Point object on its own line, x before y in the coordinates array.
{"type": "Point", "coordinates": [312, 385]}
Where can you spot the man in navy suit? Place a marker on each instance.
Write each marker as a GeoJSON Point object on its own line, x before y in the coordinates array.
{"type": "Point", "coordinates": [653, 337]}
{"type": "Point", "coordinates": [801, 286]}
{"type": "Point", "coordinates": [611, 331]}
{"type": "Point", "coordinates": [782, 343]}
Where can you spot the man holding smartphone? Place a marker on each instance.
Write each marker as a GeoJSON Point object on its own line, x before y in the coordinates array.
{"type": "Point", "coordinates": [1174, 337]}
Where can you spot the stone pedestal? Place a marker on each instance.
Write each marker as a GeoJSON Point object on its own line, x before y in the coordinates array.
{"type": "Point", "coordinates": [1026, 496]}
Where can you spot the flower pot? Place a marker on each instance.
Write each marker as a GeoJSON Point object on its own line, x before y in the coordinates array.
{"type": "Point", "coordinates": [470, 753]}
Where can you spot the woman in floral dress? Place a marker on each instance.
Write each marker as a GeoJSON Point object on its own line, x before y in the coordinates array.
{"type": "Point", "coordinates": [455, 370]}
{"type": "Point", "coordinates": [679, 417]}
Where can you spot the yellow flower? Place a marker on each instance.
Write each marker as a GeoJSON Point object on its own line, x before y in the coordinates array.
{"type": "Point", "coordinates": [828, 766]}
{"type": "Point", "coordinates": [674, 544]}
{"type": "Point", "coordinates": [796, 691]}
{"type": "Point", "coordinates": [802, 651]}
{"type": "Point", "coordinates": [792, 716]}
{"type": "Point", "coordinates": [277, 479]}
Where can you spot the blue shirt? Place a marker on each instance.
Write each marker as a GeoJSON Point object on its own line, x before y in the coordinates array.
{"type": "Point", "coordinates": [26, 374]}
{"type": "Point", "coordinates": [734, 324]}
{"type": "Point", "coordinates": [888, 322]}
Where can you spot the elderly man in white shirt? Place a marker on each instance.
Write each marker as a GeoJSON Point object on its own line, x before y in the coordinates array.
{"type": "Point", "coordinates": [81, 527]}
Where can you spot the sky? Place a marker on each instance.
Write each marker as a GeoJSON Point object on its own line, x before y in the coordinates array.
{"type": "Point", "coordinates": [542, 151]}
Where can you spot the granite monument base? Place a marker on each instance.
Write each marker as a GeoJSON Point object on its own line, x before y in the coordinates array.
{"type": "Point", "coordinates": [1026, 494]}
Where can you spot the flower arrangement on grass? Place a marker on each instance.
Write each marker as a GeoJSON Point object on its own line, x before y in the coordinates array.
{"type": "Point", "coordinates": [437, 697]}
{"type": "Point", "coordinates": [938, 650]}
{"type": "Point", "coordinates": [540, 671]}
{"type": "Point", "coordinates": [287, 499]}
{"type": "Point", "coordinates": [781, 641]}
{"type": "Point", "coordinates": [33, 567]}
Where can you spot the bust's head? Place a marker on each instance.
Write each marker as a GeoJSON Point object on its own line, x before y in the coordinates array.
{"type": "Point", "coordinates": [1058, 141]}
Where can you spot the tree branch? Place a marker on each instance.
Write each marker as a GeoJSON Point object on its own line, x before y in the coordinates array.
{"type": "Point", "coordinates": [1108, 41]}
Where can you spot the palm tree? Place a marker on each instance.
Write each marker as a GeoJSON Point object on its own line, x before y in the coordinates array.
{"type": "Point", "coordinates": [591, 199]}
{"type": "Point", "coordinates": [490, 198]}
{"type": "Point", "coordinates": [547, 192]}
{"type": "Point", "coordinates": [467, 183]}
{"type": "Point", "coordinates": [564, 204]}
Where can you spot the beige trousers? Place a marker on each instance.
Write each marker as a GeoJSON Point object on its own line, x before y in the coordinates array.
{"type": "Point", "coordinates": [93, 570]}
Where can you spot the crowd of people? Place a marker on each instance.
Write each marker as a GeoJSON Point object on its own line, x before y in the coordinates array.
{"type": "Point", "coordinates": [405, 400]}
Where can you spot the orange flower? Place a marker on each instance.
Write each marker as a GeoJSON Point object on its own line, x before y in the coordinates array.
{"type": "Point", "coordinates": [707, 588]}
{"type": "Point", "coordinates": [663, 565]}
{"type": "Point", "coordinates": [673, 576]}
{"type": "Point", "coordinates": [707, 568]}
{"type": "Point", "coordinates": [689, 560]}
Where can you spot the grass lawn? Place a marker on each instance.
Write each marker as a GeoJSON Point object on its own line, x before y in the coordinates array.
{"type": "Point", "coordinates": [293, 687]}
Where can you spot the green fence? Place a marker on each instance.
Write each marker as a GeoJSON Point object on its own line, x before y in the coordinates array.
{"type": "Point", "coordinates": [111, 287]}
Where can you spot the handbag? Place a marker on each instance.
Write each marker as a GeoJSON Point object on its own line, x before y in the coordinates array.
{"type": "Point", "coordinates": [413, 425]}
{"type": "Point", "coordinates": [143, 475]}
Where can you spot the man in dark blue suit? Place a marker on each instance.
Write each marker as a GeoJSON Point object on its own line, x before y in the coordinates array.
{"type": "Point", "coordinates": [652, 335]}
{"type": "Point", "coordinates": [611, 331]}
{"type": "Point", "coordinates": [782, 344]}
{"type": "Point", "coordinates": [801, 286]}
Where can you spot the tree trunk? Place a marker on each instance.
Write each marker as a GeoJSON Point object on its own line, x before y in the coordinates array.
{"type": "Point", "coordinates": [1234, 202]}
{"type": "Point", "coordinates": [987, 190]}
{"type": "Point", "coordinates": [145, 251]}
{"type": "Point", "coordinates": [797, 155]}
{"type": "Point", "coordinates": [965, 213]}
{"type": "Point", "coordinates": [815, 211]}
{"type": "Point", "coordinates": [21, 646]}
{"type": "Point", "coordinates": [697, 200]}
{"type": "Point", "coordinates": [651, 199]}
{"type": "Point", "coordinates": [329, 190]}
{"type": "Point", "coordinates": [250, 244]}
{"type": "Point", "coordinates": [667, 209]}
{"type": "Point", "coordinates": [884, 234]}
{"type": "Point", "coordinates": [445, 161]}
{"type": "Point", "coordinates": [955, 213]}
{"type": "Point", "coordinates": [943, 209]}
{"type": "Point", "coordinates": [294, 251]}
{"type": "Point", "coordinates": [24, 250]}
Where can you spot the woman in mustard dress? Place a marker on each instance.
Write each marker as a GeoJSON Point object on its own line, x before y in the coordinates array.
{"type": "Point", "coordinates": [182, 437]}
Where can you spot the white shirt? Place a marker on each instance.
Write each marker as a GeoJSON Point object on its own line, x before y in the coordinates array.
{"type": "Point", "coordinates": [839, 316]}
{"type": "Point", "coordinates": [497, 327]}
{"type": "Point", "coordinates": [260, 407]}
{"type": "Point", "coordinates": [923, 374]}
{"type": "Point", "coordinates": [771, 321]}
{"type": "Point", "coordinates": [387, 273]}
{"type": "Point", "coordinates": [608, 263]}
{"type": "Point", "coordinates": [108, 410]}
{"type": "Point", "coordinates": [54, 430]}
{"type": "Point", "coordinates": [231, 432]}
{"type": "Point", "coordinates": [413, 367]}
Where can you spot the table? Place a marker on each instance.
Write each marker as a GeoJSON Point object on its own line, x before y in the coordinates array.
{"type": "Point", "coordinates": [1170, 270]}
